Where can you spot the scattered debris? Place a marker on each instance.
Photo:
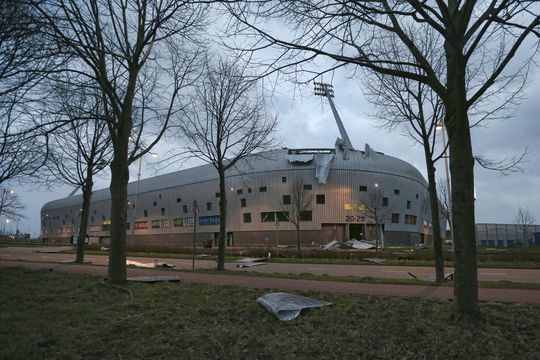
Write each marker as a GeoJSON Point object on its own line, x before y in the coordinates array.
{"type": "Point", "coordinates": [360, 244]}
{"type": "Point", "coordinates": [375, 260]}
{"type": "Point", "coordinates": [52, 250]}
{"type": "Point", "coordinates": [332, 245]}
{"type": "Point", "coordinates": [103, 248]}
{"type": "Point", "coordinates": [154, 279]}
{"type": "Point", "coordinates": [73, 262]}
{"type": "Point", "coordinates": [152, 265]}
{"type": "Point", "coordinates": [249, 262]}
{"type": "Point", "coordinates": [288, 306]}
{"type": "Point", "coordinates": [351, 244]}
{"type": "Point", "coordinates": [432, 278]}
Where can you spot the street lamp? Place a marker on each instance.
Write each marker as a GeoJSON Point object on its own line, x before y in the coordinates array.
{"type": "Point", "coordinates": [448, 188]}
{"type": "Point", "coordinates": [195, 211]}
{"type": "Point", "coordinates": [136, 200]}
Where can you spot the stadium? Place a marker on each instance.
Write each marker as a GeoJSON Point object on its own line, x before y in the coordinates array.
{"type": "Point", "coordinates": [340, 193]}
{"type": "Point", "coordinates": [338, 182]}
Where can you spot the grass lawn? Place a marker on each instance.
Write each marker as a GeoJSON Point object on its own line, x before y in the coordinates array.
{"type": "Point", "coordinates": [49, 315]}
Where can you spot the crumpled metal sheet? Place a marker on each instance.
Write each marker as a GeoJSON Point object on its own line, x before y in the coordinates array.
{"type": "Point", "coordinates": [323, 163]}
{"type": "Point", "coordinates": [302, 158]}
{"type": "Point", "coordinates": [287, 307]}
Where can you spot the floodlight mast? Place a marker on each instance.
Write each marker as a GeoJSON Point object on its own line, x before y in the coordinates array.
{"type": "Point", "coordinates": [322, 89]}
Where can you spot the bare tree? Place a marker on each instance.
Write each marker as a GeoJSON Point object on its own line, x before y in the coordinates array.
{"type": "Point", "coordinates": [376, 208]}
{"type": "Point", "coordinates": [141, 55]}
{"type": "Point", "coordinates": [297, 207]}
{"type": "Point", "coordinates": [524, 220]}
{"type": "Point", "coordinates": [405, 102]}
{"type": "Point", "coordinates": [82, 149]}
{"type": "Point", "coordinates": [229, 122]}
{"type": "Point", "coordinates": [479, 40]}
{"type": "Point", "coordinates": [10, 205]}
{"type": "Point", "coordinates": [25, 59]}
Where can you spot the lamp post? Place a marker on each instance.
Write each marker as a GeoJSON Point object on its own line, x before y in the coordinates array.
{"type": "Point", "coordinates": [195, 211]}
{"type": "Point", "coordinates": [136, 200]}
{"type": "Point", "coordinates": [448, 188]}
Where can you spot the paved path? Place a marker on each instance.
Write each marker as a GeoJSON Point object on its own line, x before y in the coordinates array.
{"type": "Point", "coordinates": [431, 292]}
{"type": "Point", "coordinates": [368, 270]}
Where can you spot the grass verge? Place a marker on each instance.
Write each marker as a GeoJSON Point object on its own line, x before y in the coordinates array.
{"type": "Point", "coordinates": [371, 280]}
{"type": "Point", "coordinates": [49, 315]}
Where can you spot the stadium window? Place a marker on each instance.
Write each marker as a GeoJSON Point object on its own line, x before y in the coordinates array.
{"type": "Point", "coordinates": [284, 179]}
{"type": "Point", "coordinates": [307, 186]}
{"type": "Point", "coordinates": [145, 213]}
{"type": "Point", "coordinates": [103, 217]}
{"type": "Point", "coordinates": [247, 217]}
{"type": "Point", "coordinates": [395, 218]}
{"type": "Point", "coordinates": [262, 189]}
{"type": "Point", "coordinates": [242, 202]}
{"type": "Point", "coordinates": [178, 200]}
{"type": "Point", "coordinates": [268, 216]}
{"type": "Point", "coordinates": [239, 191]}
{"type": "Point", "coordinates": [408, 204]}
{"type": "Point", "coordinates": [410, 219]}
{"type": "Point", "coordinates": [155, 203]}
{"type": "Point", "coordinates": [384, 201]}
{"type": "Point", "coordinates": [159, 196]}
{"type": "Point", "coordinates": [218, 194]}
{"type": "Point", "coordinates": [209, 206]}
{"type": "Point", "coordinates": [363, 188]}
{"type": "Point", "coordinates": [162, 211]}
{"type": "Point", "coordinates": [282, 215]}
{"type": "Point", "coordinates": [184, 209]}
{"type": "Point", "coordinates": [306, 216]}
{"type": "Point", "coordinates": [417, 196]}
{"type": "Point", "coordinates": [286, 199]}
{"type": "Point", "coordinates": [320, 199]}
{"type": "Point", "coordinates": [249, 190]}
{"type": "Point", "coordinates": [396, 191]}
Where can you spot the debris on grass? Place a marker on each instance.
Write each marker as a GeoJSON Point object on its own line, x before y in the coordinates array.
{"type": "Point", "coordinates": [152, 265]}
{"type": "Point", "coordinates": [154, 279]}
{"type": "Point", "coordinates": [432, 278]}
{"type": "Point", "coordinates": [72, 261]}
{"type": "Point", "coordinates": [351, 244]}
{"type": "Point", "coordinates": [286, 306]}
{"type": "Point", "coordinates": [249, 262]}
{"type": "Point", "coordinates": [375, 260]}
{"type": "Point", "coordinates": [52, 250]}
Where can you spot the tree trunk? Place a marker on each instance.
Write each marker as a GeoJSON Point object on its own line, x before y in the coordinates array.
{"type": "Point", "coordinates": [298, 237]}
{"type": "Point", "coordinates": [119, 180]}
{"type": "Point", "coordinates": [461, 168]}
{"type": "Point", "coordinates": [435, 217]}
{"type": "Point", "coordinates": [87, 197]}
{"type": "Point", "coordinates": [222, 219]}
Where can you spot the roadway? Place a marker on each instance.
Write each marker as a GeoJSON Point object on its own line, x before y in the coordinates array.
{"type": "Point", "coordinates": [49, 254]}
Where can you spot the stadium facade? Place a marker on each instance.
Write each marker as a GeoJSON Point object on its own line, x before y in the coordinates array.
{"type": "Point", "coordinates": [345, 187]}
{"type": "Point", "coordinates": [339, 181]}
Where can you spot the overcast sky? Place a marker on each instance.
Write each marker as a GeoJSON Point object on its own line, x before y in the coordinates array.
{"type": "Point", "coordinates": [306, 121]}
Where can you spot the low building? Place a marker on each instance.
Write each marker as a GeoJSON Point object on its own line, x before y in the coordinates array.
{"type": "Point", "coordinates": [502, 235]}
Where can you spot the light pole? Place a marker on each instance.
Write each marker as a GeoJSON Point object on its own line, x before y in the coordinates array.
{"type": "Point", "coordinates": [448, 188]}
{"type": "Point", "coordinates": [195, 211]}
{"type": "Point", "coordinates": [136, 200]}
